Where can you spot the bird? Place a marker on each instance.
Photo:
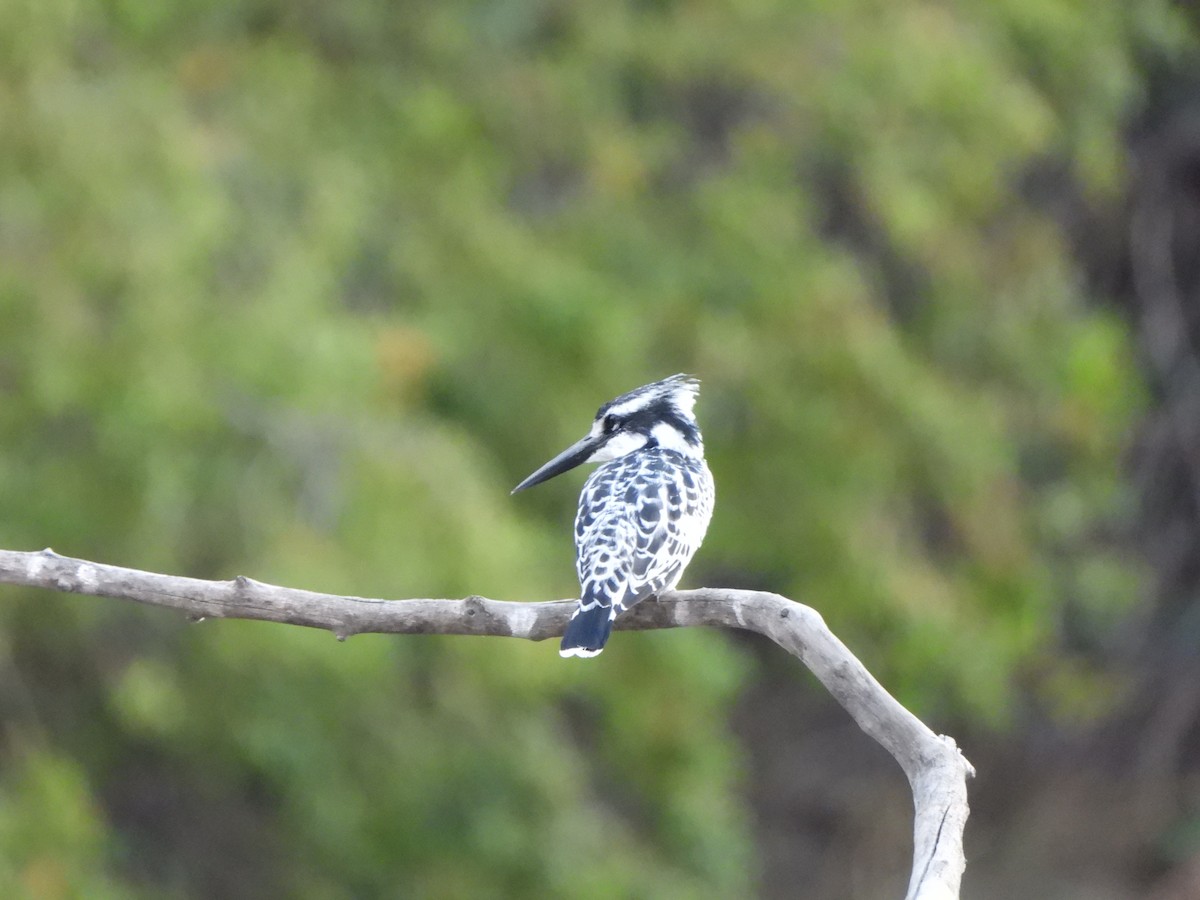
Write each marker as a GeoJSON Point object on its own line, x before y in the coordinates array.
{"type": "Point", "coordinates": [643, 513]}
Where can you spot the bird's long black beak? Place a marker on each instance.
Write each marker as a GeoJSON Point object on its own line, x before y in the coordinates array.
{"type": "Point", "coordinates": [571, 457]}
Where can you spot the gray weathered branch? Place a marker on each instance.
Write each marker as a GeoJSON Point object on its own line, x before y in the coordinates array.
{"type": "Point", "coordinates": [936, 771]}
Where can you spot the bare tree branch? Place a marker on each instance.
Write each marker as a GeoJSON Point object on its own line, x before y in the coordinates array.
{"type": "Point", "coordinates": [936, 771]}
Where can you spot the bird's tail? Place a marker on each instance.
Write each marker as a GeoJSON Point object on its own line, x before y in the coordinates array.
{"type": "Point", "coordinates": [588, 631]}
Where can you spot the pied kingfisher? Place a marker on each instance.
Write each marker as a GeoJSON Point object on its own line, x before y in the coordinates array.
{"type": "Point", "coordinates": [643, 513]}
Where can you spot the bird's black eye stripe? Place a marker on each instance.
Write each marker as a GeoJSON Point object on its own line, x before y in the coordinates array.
{"type": "Point", "coordinates": [610, 423]}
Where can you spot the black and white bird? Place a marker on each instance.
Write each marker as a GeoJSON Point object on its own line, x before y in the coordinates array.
{"type": "Point", "coordinates": [643, 513]}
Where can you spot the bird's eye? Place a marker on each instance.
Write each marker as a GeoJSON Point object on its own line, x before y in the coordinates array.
{"type": "Point", "coordinates": [610, 424]}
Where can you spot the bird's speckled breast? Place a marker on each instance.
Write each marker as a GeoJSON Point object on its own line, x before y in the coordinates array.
{"type": "Point", "coordinates": [641, 519]}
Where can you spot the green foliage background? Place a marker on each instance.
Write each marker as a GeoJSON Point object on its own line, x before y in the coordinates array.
{"type": "Point", "coordinates": [300, 290]}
